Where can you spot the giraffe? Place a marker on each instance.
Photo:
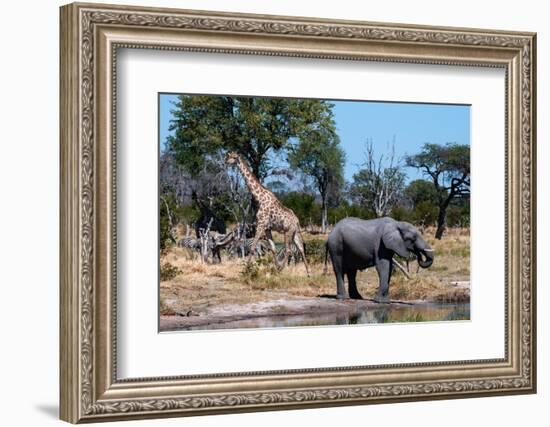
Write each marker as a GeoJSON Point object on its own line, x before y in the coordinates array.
{"type": "Point", "coordinates": [271, 214]}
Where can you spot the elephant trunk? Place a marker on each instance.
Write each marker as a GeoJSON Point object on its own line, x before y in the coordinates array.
{"type": "Point", "coordinates": [428, 258]}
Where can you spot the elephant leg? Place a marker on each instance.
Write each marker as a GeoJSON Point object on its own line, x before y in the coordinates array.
{"type": "Point", "coordinates": [352, 285]}
{"type": "Point", "coordinates": [339, 273]}
{"type": "Point", "coordinates": [384, 269]}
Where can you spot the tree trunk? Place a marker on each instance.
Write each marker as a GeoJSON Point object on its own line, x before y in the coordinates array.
{"type": "Point", "coordinates": [441, 220]}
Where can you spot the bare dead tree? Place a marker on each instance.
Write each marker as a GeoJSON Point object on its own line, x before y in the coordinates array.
{"type": "Point", "coordinates": [241, 208]}
{"type": "Point", "coordinates": [379, 182]}
{"type": "Point", "coordinates": [204, 238]}
{"type": "Point", "coordinates": [170, 219]}
{"type": "Point", "coordinates": [173, 179]}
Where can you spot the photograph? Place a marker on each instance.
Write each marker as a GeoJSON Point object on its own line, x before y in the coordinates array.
{"type": "Point", "coordinates": [289, 212]}
{"type": "Point", "coordinates": [293, 192]}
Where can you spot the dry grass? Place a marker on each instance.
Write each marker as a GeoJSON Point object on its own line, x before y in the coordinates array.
{"type": "Point", "coordinates": [234, 282]}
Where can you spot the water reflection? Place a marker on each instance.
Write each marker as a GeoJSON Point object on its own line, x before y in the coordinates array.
{"type": "Point", "coordinates": [382, 314]}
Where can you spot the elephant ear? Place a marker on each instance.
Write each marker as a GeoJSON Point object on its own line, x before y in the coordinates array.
{"type": "Point", "coordinates": [393, 240]}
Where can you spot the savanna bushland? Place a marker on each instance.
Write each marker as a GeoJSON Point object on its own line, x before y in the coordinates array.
{"type": "Point", "coordinates": [292, 146]}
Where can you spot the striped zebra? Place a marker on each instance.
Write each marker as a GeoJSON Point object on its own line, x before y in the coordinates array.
{"type": "Point", "coordinates": [243, 247]}
{"type": "Point", "coordinates": [189, 243]}
{"type": "Point", "coordinates": [295, 254]}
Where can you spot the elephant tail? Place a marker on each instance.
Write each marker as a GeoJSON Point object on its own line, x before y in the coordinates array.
{"type": "Point", "coordinates": [301, 245]}
{"type": "Point", "coordinates": [325, 268]}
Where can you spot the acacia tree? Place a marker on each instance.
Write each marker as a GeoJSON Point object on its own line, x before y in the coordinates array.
{"type": "Point", "coordinates": [379, 182]}
{"type": "Point", "coordinates": [318, 155]}
{"type": "Point", "coordinates": [448, 167]}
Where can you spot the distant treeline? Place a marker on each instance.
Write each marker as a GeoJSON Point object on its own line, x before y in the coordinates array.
{"type": "Point", "coordinates": [415, 206]}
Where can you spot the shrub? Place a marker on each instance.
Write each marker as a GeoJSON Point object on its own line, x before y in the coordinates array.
{"type": "Point", "coordinates": [250, 272]}
{"type": "Point", "coordinates": [315, 250]}
{"type": "Point", "coordinates": [401, 214]}
{"type": "Point", "coordinates": [259, 272]}
{"type": "Point", "coordinates": [168, 272]}
{"type": "Point", "coordinates": [425, 213]}
{"type": "Point", "coordinates": [458, 216]}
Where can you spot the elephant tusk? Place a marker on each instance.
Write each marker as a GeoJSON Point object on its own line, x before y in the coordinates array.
{"type": "Point", "coordinates": [428, 250]}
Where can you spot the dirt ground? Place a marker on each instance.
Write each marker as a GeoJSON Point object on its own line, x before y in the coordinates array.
{"type": "Point", "coordinates": [196, 293]}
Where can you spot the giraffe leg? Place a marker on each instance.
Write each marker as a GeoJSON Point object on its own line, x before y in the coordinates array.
{"type": "Point", "coordinates": [286, 253]}
{"type": "Point", "coordinates": [270, 241]}
{"type": "Point", "coordinates": [299, 242]}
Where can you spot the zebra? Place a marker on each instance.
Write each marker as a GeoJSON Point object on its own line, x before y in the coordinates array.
{"type": "Point", "coordinates": [295, 254]}
{"type": "Point", "coordinates": [242, 247]}
{"type": "Point", "coordinates": [189, 243]}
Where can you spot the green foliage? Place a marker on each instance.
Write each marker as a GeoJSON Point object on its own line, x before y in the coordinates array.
{"type": "Point", "coordinates": [187, 213]}
{"type": "Point", "coordinates": [315, 250]}
{"type": "Point", "coordinates": [250, 272]}
{"type": "Point", "coordinates": [448, 161]}
{"type": "Point", "coordinates": [424, 213]}
{"type": "Point", "coordinates": [419, 191]}
{"type": "Point", "coordinates": [256, 271]}
{"type": "Point", "coordinates": [458, 215]}
{"type": "Point", "coordinates": [165, 239]}
{"type": "Point", "coordinates": [347, 209]}
{"type": "Point", "coordinates": [168, 272]}
{"type": "Point", "coordinates": [206, 126]}
{"type": "Point", "coordinates": [399, 213]}
{"type": "Point", "coordinates": [303, 205]}
{"type": "Point", "coordinates": [170, 214]}
{"type": "Point", "coordinates": [448, 166]}
{"type": "Point", "coordinates": [318, 155]}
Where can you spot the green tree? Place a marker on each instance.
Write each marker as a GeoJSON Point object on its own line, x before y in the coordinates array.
{"type": "Point", "coordinates": [318, 155]}
{"type": "Point", "coordinates": [346, 209]}
{"type": "Point", "coordinates": [206, 126]}
{"type": "Point", "coordinates": [448, 166]}
{"type": "Point", "coordinates": [458, 215]}
{"type": "Point", "coordinates": [419, 191]}
{"type": "Point", "coordinates": [424, 213]}
{"type": "Point", "coordinates": [302, 204]}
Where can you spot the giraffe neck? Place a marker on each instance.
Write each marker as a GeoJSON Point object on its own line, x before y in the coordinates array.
{"type": "Point", "coordinates": [251, 181]}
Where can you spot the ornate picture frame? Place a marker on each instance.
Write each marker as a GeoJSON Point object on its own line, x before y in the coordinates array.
{"type": "Point", "coordinates": [90, 37]}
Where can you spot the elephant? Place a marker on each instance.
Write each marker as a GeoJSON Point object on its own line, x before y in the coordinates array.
{"type": "Point", "coordinates": [355, 244]}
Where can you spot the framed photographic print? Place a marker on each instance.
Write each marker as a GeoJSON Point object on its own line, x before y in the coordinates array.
{"type": "Point", "coordinates": [266, 212]}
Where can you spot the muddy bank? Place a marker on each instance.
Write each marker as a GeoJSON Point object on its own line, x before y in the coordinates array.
{"type": "Point", "coordinates": [309, 312]}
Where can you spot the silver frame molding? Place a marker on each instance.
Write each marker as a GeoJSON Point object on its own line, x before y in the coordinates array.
{"type": "Point", "coordinates": [90, 37]}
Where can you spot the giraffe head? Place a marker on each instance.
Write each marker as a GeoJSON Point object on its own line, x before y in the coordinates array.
{"type": "Point", "coordinates": [231, 158]}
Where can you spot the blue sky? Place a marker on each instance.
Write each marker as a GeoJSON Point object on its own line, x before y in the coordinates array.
{"type": "Point", "coordinates": [409, 125]}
